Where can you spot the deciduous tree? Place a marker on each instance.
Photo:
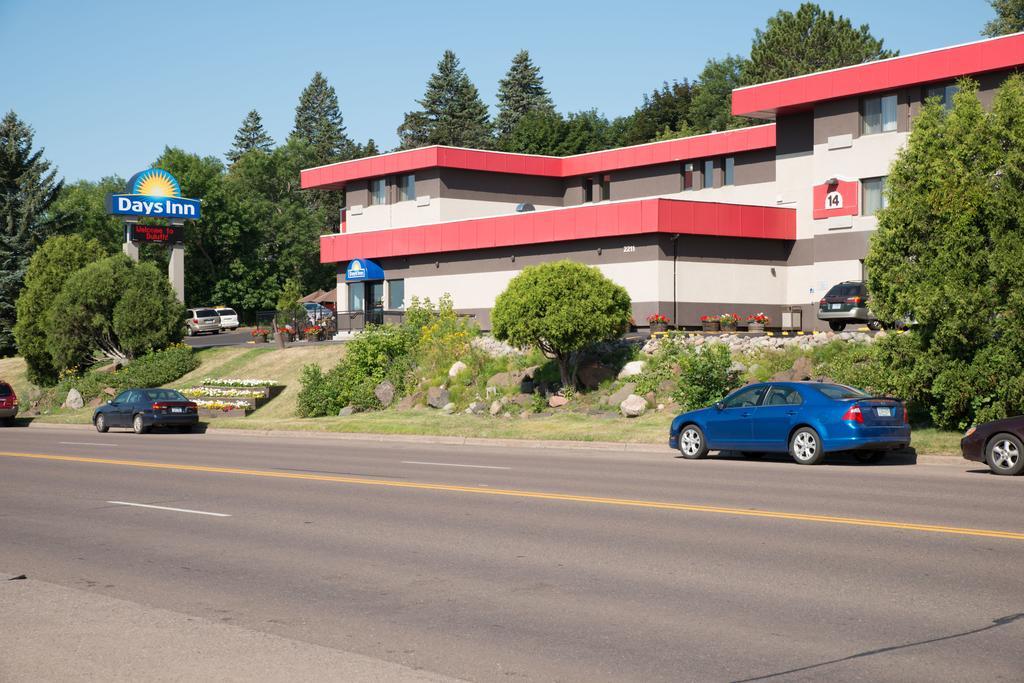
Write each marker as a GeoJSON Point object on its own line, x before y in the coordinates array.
{"type": "Point", "coordinates": [561, 307]}
{"type": "Point", "coordinates": [1009, 18]}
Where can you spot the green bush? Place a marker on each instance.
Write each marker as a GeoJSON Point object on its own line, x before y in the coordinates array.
{"type": "Point", "coordinates": [705, 375]}
{"type": "Point", "coordinates": [157, 368]}
{"type": "Point", "coordinates": [855, 365]}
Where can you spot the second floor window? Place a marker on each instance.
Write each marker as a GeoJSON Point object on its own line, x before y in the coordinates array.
{"type": "Point", "coordinates": [879, 115]}
{"type": "Point", "coordinates": [730, 171]}
{"type": "Point", "coordinates": [378, 191]}
{"type": "Point", "coordinates": [406, 187]}
{"type": "Point", "coordinates": [872, 195]}
{"type": "Point", "coordinates": [944, 93]}
{"type": "Point", "coordinates": [709, 173]}
{"type": "Point", "coordinates": [606, 188]}
{"type": "Point", "coordinates": [588, 190]}
{"type": "Point", "coordinates": [688, 176]}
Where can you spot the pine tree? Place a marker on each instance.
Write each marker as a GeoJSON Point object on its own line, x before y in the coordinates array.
{"type": "Point", "coordinates": [1009, 18]}
{"type": "Point", "coordinates": [520, 92]}
{"type": "Point", "coordinates": [28, 187]}
{"type": "Point", "coordinates": [809, 40]}
{"type": "Point", "coordinates": [452, 112]}
{"type": "Point", "coordinates": [251, 135]}
{"type": "Point", "coordinates": [319, 123]}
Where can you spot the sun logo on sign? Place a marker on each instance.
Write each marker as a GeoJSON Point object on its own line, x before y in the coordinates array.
{"type": "Point", "coordinates": [155, 182]}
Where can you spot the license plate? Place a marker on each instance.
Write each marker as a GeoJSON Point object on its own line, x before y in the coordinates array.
{"type": "Point", "coordinates": [835, 307]}
{"type": "Point", "coordinates": [884, 412]}
{"type": "Point", "coordinates": [182, 410]}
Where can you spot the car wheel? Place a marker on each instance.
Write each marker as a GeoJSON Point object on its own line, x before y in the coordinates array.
{"type": "Point", "coordinates": [139, 425]}
{"type": "Point", "coordinates": [1005, 454]}
{"type": "Point", "coordinates": [869, 456]}
{"type": "Point", "coordinates": [836, 326]}
{"type": "Point", "coordinates": [805, 447]}
{"type": "Point", "coordinates": [692, 444]}
{"type": "Point", "coordinates": [188, 331]}
{"type": "Point", "coordinates": [101, 424]}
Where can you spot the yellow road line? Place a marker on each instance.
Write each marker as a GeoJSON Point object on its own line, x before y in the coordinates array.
{"type": "Point", "coordinates": [621, 502]}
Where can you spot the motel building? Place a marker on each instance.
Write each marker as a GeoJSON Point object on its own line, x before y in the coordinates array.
{"type": "Point", "coordinates": [765, 218]}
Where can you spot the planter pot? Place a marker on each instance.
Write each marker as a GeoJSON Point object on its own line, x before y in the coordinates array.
{"type": "Point", "coordinates": [711, 326]}
{"type": "Point", "coordinates": [220, 414]}
{"type": "Point", "coordinates": [260, 339]}
{"type": "Point", "coordinates": [755, 327]}
{"type": "Point", "coordinates": [728, 327]}
{"type": "Point", "coordinates": [658, 328]}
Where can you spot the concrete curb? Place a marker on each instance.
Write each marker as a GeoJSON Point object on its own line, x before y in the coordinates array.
{"type": "Point", "coordinates": [605, 446]}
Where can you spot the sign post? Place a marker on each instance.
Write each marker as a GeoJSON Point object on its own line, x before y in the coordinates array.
{"type": "Point", "coordinates": [155, 193]}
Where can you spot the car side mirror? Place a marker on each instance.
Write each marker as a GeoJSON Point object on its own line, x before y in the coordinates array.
{"type": "Point", "coordinates": [720, 405]}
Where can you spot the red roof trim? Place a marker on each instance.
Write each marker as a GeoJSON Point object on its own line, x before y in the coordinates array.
{"type": "Point", "coordinates": [558, 225]}
{"type": "Point", "coordinates": [334, 176]}
{"type": "Point", "coordinates": [768, 99]}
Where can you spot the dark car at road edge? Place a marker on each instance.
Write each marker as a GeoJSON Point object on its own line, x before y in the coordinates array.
{"type": "Point", "coordinates": [143, 409]}
{"type": "Point", "coordinates": [999, 444]}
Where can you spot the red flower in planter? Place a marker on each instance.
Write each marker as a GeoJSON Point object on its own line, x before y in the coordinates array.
{"type": "Point", "coordinates": [758, 318]}
{"type": "Point", "coordinates": [657, 318]}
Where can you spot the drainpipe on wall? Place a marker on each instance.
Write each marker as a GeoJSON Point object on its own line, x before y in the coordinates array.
{"type": "Point", "coordinates": [675, 312]}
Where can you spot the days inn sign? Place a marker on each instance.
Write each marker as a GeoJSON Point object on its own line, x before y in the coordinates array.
{"type": "Point", "coordinates": [153, 193]}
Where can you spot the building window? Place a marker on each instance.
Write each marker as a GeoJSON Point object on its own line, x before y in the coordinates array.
{"type": "Point", "coordinates": [687, 176]}
{"type": "Point", "coordinates": [606, 187]}
{"type": "Point", "coordinates": [709, 173]}
{"type": "Point", "coordinates": [356, 296]}
{"type": "Point", "coordinates": [396, 295]}
{"type": "Point", "coordinates": [378, 191]}
{"type": "Point", "coordinates": [406, 187]}
{"type": "Point", "coordinates": [872, 195]}
{"type": "Point", "coordinates": [730, 171]}
{"type": "Point", "coordinates": [944, 93]}
{"type": "Point", "coordinates": [879, 115]}
{"type": "Point", "coordinates": [588, 190]}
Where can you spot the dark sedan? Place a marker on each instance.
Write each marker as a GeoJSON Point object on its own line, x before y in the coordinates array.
{"type": "Point", "coordinates": [143, 409]}
{"type": "Point", "coordinates": [997, 444]}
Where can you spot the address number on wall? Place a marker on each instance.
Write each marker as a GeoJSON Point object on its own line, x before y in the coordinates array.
{"type": "Point", "coordinates": [833, 200]}
{"type": "Point", "coordinates": [629, 249]}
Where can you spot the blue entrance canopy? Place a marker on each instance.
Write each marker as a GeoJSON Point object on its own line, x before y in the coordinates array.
{"type": "Point", "coordinates": [362, 269]}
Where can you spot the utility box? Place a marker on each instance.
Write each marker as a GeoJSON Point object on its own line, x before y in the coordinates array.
{"type": "Point", "coordinates": [792, 318]}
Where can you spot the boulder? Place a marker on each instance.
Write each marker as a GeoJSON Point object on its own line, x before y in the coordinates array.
{"type": "Point", "coordinates": [620, 395]}
{"type": "Point", "coordinates": [385, 393]}
{"type": "Point", "coordinates": [346, 411]}
{"type": "Point", "coordinates": [448, 408]}
{"type": "Point", "coordinates": [494, 348]}
{"type": "Point", "coordinates": [477, 408]}
{"type": "Point", "coordinates": [651, 398]}
{"type": "Point", "coordinates": [110, 391]}
{"type": "Point", "coordinates": [96, 402]}
{"type": "Point", "coordinates": [512, 378]}
{"type": "Point", "coordinates": [437, 397]}
{"type": "Point", "coordinates": [457, 367]}
{"type": "Point", "coordinates": [633, 406]}
{"type": "Point", "coordinates": [496, 407]}
{"type": "Point", "coordinates": [557, 401]}
{"type": "Point", "coordinates": [592, 374]}
{"type": "Point", "coordinates": [410, 401]}
{"type": "Point", "coordinates": [74, 400]}
{"type": "Point", "coordinates": [632, 369]}
{"type": "Point", "coordinates": [802, 370]}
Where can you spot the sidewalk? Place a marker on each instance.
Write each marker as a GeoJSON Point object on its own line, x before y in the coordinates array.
{"type": "Point", "coordinates": [54, 633]}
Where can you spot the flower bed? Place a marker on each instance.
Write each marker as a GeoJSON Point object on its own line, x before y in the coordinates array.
{"type": "Point", "coordinates": [223, 408]}
{"type": "Point", "coordinates": [222, 382]}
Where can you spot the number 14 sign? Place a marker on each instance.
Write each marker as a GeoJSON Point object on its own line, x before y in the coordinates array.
{"type": "Point", "coordinates": [836, 197]}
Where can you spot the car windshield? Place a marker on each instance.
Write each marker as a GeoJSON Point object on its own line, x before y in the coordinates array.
{"type": "Point", "coordinates": [5, 390]}
{"type": "Point", "coordinates": [164, 395]}
{"type": "Point", "coordinates": [844, 290]}
{"type": "Point", "coordinates": [206, 313]}
{"type": "Point", "coordinates": [225, 311]}
{"type": "Point", "coordinates": [839, 392]}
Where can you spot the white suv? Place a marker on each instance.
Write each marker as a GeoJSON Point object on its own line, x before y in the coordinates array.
{"type": "Point", "coordinates": [228, 318]}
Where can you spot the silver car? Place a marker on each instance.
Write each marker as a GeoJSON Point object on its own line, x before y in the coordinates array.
{"type": "Point", "coordinates": [201, 320]}
{"type": "Point", "coordinates": [228, 318]}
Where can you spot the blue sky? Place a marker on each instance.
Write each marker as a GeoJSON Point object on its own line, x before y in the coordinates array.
{"type": "Point", "coordinates": [107, 85]}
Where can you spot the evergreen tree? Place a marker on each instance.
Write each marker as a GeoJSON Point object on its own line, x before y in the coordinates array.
{"type": "Point", "coordinates": [251, 135]}
{"type": "Point", "coordinates": [452, 112]}
{"type": "Point", "coordinates": [808, 40]}
{"type": "Point", "coordinates": [520, 92]}
{"type": "Point", "coordinates": [1009, 18]}
{"type": "Point", "coordinates": [319, 123]}
{"type": "Point", "coordinates": [28, 187]}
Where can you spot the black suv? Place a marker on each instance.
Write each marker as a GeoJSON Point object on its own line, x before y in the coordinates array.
{"type": "Point", "coordinates": [847, 303]}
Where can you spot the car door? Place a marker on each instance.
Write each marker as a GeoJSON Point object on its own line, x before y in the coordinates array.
{"type": "Point", "coordinates": [728, 426]}
{"type": "Point", "coordinates": [117, 409]}
{"type": "Point", "coordinates": [775, 418]}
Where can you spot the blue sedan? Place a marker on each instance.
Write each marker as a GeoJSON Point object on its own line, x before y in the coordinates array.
{"type": "Point", "coordinates": [142, 409]}
{"type": "Point", "coordinates": [805, 419]}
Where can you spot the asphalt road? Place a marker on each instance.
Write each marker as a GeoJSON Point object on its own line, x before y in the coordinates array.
{"type": "Point", "coordinates": [495, 564]}
{"type": "Point", "coordinates": [242, 335]}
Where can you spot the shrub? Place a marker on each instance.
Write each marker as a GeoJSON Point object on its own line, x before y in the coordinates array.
{"type": "Point", "coordinates": [157, 368]}
{"type": "Point", "coordinates": [705, 377]}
